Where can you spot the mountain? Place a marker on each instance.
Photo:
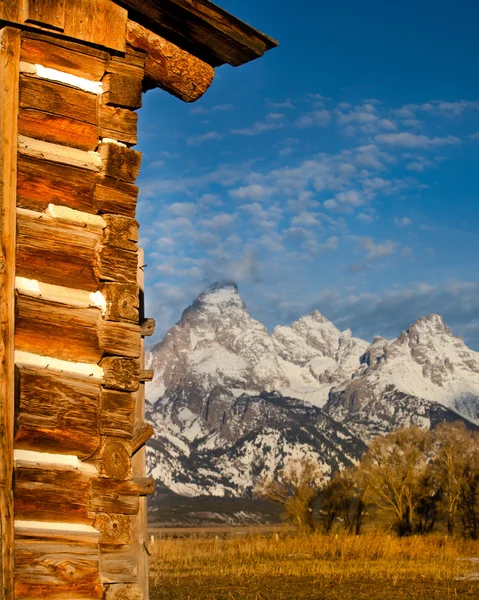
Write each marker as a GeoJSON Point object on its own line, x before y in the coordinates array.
{"type": "Point", "coordinates": [425, 376]}
{"type": "Point", "coordinates": [231, 403]}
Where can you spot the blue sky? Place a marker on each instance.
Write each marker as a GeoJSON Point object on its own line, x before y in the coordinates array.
{"type": "Point", "coordinates": [338, 172]}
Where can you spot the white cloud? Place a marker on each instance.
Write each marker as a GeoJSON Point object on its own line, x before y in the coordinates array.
{"type": "Point", "coordinates": [365, 218]}
{"type": "Point", "coordinates": [306, 219]}
{"type": "Point", "coordinates": [402, 222]}
{"type": "Point", "coordinates": [375, 251]}
{"type": "Point", "coordinates": [199, 139]}
{"type": "Point", "coordinates": [182, 209]}
{"type": "Point", "coordinates": [413, 140]}
{"type": "Point", "coordinates": [202, 110]}
{"type": "Point", "coordinates": [255, 192]}
{"type": "Point", "coordinates": [319, 118]}
{"type": "Point", "coordinates": [271, 121]}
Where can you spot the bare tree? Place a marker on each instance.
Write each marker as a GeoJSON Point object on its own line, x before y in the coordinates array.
{"type": "Point", "coordinates": [394, 469]}
{"type": "Point", "coordinates": [296, 489]}
{"type": "Point", "coordinates": [342, 497]}
{"type": "Point", "coordinates": [455, 471]}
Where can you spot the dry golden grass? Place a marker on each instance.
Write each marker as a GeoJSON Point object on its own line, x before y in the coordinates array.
{"type": "Point", "coordinates": [318, 567]}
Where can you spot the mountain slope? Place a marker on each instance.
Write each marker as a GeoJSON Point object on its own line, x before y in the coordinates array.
{"type": "Point", "coordinates": [231, 403]}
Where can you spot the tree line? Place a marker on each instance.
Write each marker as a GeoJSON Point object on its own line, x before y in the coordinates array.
{"type": "Point", "coordinates": [411, 480]}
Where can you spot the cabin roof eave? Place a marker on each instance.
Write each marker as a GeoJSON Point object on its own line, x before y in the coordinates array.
{"type": "Point", "coordinates": [202, 28]}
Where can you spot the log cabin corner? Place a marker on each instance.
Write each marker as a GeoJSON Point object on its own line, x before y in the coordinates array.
{"type": "Point", "coordinates": [72, 430]}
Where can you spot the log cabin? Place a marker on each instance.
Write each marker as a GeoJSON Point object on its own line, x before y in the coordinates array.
{"type": "Point", "coordinates": [72, 429]}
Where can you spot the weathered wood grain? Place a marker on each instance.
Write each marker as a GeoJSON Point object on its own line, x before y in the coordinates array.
{"type": "Point", "coordinates": [118, 564]}
{"type": "Point", "coordinates": [146, 485]}
{"type": "Point", "coordinates": [57, 153]}
{"type": "Point", "coordinates": [122, 90]}
{"type": "Point", "coordinates": [56, 413]}
{"type": "Point", "coordinates": [121, 232]}
{"type": "Point", "coordinates": [9, 78]}
{"type": "Point", "coordinates": [56, 570]}
{"type": "Point", "coordinates": [57, 130]}
{"type": "Point", "coordinates": [202, 28]}
{"type": "Point", "coordinates": [99, 22]}
{"type": "Point", "coordinates": [47, 493]}
{"type": "Point", "coordinates": [147, 327]}
{"type": "Point", "coordinates": [120, 339]}
{"type": "Point", "coordinates": [122, 301]}
{"type": "Point", "coordinates": [117, 197]}
{"type": "Point", "coordinates": [117, 265]}
{"type": "Point", "coordinates": [169, 67]}
{"type": "Point", "coordinates": [57, 330]}
{"type": "Point", "coordinates": [41, 183]}
{"type": "Point", "coordinates": [113, 459]}
{"type": "Point", "coordinates": [64, 55]}
{"type": "Point", "coordinates": [58, 99]}
{"type": "Point", "coordinates": [124, 591]}
{"type": "Point", "coordinates": [118, 123]}
{"type": "Point", "coordinates": [113, 497]}
{"type": "Point", "coordinates": [120, 162]}
{"type": "Point", "coordinates": [141, 434]}
{"type": "Point", "coordinates": [117, 413]}
{"type": "Point", "coordinates": [48, 13]}
{"type": "Point", "coordinates": [57, 252]}
{"type": "Point", "coordinates": [114, 529]}
{"type": "Point", "coordinates": [121, 374]}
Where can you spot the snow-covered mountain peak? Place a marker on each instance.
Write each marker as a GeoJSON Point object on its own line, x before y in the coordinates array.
{"type": "Point", "coordinates": [219, 295]}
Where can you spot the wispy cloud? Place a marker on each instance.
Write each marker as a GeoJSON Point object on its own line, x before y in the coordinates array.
{"type": "Point", "coordinates": [199, 139]}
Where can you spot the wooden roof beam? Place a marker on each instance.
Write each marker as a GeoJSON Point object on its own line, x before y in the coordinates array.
{"type": "Point", "coordinates": [202, 28]}
{"type": "Point", "coordinates": [169, 67]}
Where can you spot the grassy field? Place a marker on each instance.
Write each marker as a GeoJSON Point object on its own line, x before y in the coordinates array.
{"type": "Point", "coordinates": [373, 566]}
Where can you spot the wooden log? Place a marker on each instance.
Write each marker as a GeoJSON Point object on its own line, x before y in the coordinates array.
{"type": "Point", "coordinates": [56, 413]}
{"type": "Point", "coordinates": [57, 153]}
{"type": "Point", "coordinates": [41, 183]}
{"type": "Point", "coordinates": [124, 591]}
{"type": "Point", "coordinates": [52, 493]}
{"type": "Point", "coordinates": [147, 374]}
{"type": "Point", "coordinates": [47, 13]}
{"type": "Point", "coordinates": [121, 373]}
{"type": "Point", "coordinates": [64, 55]}
{"type": "Point", "coordinates": [32, 530]}
{"type": "Point", "coordinates": [141, 434]}
{"type": "Point", "coordinates": [56, 252]}
{"type": "Point", "coordinates": [121, 232]}
{"type": "Point", "coordinates": [120, 162]}
{"type": "Point", "coordinates": [58, 99]}
{"type": "Point", "coordinates": [113, 459]}
{"type": "Point", "coordinates": [117, 265]}
{"type": "Point", "coordinates": [203, 28]}
{"type": "Point", "coordinates": [57, 330]}
{"type": "Point", "coordinates": [56, 570]}
{"type": "Point", "coordinates": [138, 460]}
{"type": "Point", "coordinates": [99, 22]}
{"type": "Point", "coordinates": [122, 301]}
{"type": "Point", "coordinates": [9, 77]}
{"type": "Point", "coordinates": [114, 529]}
{"type": "Point", "coordinates": [122, 90]}
{"type": "Point", "coordinates": [118, 564]}
{"type": "Point", "coordinates": [169, 67]}
{"type": "Point", "coordinates": [147, 327]}
{"type": "Point", "coordinates": [117, 197]}
{"type": "Point", "coordinates": [57, 130]}
{"type": "Point", "coordinates": [118, 123]}
{"type": "Point", "coordinates": [120, 339]}
{"type": "Point", "coordinates": [146, 485]}
{"type": "Point", "coordinates": [117, 413]}
{"type": "Point", "coordinates": [111, 496]}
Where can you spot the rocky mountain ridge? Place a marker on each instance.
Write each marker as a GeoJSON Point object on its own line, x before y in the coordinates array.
{"type": "Point", "coordinates": [231, 403]}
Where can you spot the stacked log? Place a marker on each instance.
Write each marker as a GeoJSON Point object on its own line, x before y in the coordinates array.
{"type": "Point", "coordinates": [79, 418]}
